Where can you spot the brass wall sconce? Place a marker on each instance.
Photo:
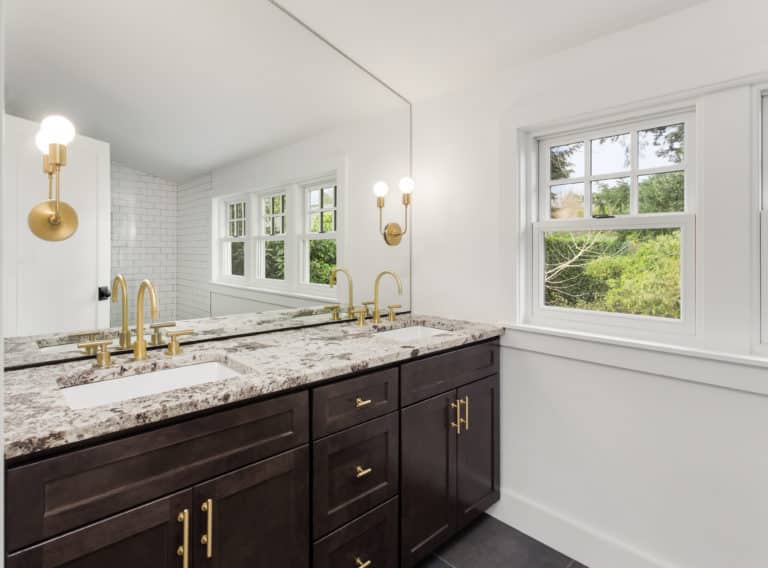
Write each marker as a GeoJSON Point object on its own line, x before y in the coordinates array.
{"type": "Point", "coordinates": [392, 232]}
{"type": "Point", "coordinates": [54, 219]}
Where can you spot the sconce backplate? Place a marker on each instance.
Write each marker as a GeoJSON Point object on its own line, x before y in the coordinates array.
{"type": "Point", "coordinates": [41, 221]}
{"type": "Point", "coordinates": [393, 234]}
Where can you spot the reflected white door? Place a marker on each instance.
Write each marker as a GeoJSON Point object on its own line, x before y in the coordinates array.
{"type": "Point", "coordinates": [53, 286]}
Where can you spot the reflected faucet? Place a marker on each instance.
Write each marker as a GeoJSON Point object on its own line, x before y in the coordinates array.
{"type": "Point", "coordinates": [140, 345]}
{"type": "Point", "coordinates": [376, 310]}
{"type": "Point", "coordinates": [125, 334]}
{"type": "Point", "coordinates": [332, 283]}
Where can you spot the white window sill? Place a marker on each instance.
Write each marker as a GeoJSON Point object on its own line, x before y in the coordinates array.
{"type": "Point", "coordinates": [286, 293]}
{"type": "Point", "coordinates": [733, 371]}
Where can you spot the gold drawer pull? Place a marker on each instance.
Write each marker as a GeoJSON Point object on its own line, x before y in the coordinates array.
{"type": "Point", "coordinates": [361, 564]}
{"type": "Point", "coordinates": [183, 550]}
{"type": "Point", "coordinates": [459, 420]}
{"type": "Point", "coordinates": [207, 538]}
{"type": "Point", "coordinates": [360, 403]}
{"type": "Point", "coordinates": [360, 472]}
{"type": "Point", "coordinates": [466, 413]}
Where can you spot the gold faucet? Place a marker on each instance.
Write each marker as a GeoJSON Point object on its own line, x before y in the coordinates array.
{"type": "Point", "coordinates": [376, 310]}
{"type": "Point", "coordinates": [125, 334]}
{"type": "Point", "coordinates": [140, 346]}
{"type": "Point", "coordinates": [332, 283]}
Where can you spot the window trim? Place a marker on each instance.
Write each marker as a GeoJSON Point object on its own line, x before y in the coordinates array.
{"type": "Point", "coordinates": [534, 311]}
{"type": "Point", "coordinates": [223, 241]}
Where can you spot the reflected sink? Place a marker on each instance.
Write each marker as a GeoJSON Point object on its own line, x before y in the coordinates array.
{"type": "Point", "coordinates": [125, 388]}
{"type": "Point", "coordinates": [411, 334]}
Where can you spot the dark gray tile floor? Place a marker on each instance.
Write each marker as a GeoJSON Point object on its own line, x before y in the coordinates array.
{"type": "Point", "coordinates": [489, 543]}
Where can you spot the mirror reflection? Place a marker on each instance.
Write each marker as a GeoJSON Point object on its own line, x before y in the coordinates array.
{"type": "Point", "coordinates": [223, 152]}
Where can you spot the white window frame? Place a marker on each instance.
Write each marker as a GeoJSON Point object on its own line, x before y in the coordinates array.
{"type": "Point", "coordinates": [307, 236]}
{"type": "Point", "coordinates": [224, 240]}
{"type": "Point", "coordinates": [296, 282]}
{"type": "Point", "coordinates": [260, 237]}
{"type": "Point", "coordinates": [537, 312]}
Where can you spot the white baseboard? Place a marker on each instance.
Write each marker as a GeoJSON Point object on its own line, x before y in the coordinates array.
{"type": "Point", "coordinates": [571, 537]}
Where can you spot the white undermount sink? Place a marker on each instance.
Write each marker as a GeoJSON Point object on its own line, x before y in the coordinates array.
{"type": "Point", "coordinates": [125, 388]}
{"type": "Point", "coordinates": [411, 334]}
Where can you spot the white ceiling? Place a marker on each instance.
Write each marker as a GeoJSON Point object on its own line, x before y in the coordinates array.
{"type": "Point", "coordinates": [179, 87]}
{"type": "Point", "coordinates": [426, 47]}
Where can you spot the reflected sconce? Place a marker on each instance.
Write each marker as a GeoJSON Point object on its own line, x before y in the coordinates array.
{"type": "Point", "coordinates": [53, 219]}
{"type": "Point", "coordinates": [392, 232]}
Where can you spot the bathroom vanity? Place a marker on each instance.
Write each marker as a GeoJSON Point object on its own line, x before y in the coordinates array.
{"type": "Point", "coordinates": [329, 447]}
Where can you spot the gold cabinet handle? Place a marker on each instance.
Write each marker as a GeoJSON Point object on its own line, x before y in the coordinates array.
{"type": "Point", "coordinates": [183, 550]}
{"type": "Point", "coordinates": [466, 413]}
{"type": "Point", "coordinates": [360, 564]}
{"type": "Point", "coordinates": [459, 420]}
{"type": "Point", "coordinates": [362, 472]}
{"type": "Point", "coordinates": [207, 538]}
{"type": "Point", "coordinates": [361, 403]}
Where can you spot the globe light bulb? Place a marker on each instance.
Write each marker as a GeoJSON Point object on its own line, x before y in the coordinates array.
{"type": "Point", "coordinates": [56, 129]}
{"type": "Point", "coordinates": [407, 185]}
{"type": "Point", "coordinates": [41, 141]}
{"type": "Point", "coordinates": [380, 189]}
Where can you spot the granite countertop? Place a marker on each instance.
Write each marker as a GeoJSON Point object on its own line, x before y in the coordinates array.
{"type": "Point", "coordinates": [36, 349]}
{"type": "Point", "coordinates": [37, 417]}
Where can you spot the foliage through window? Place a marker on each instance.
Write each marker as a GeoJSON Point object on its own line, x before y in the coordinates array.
{"type": "Point", "coordinates": [285, 239]}
{"type": "Point", "coordinates": [612, 217]}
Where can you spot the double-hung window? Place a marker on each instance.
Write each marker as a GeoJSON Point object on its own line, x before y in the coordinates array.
{"type": "Point", "coordinates": [271, 246]}
{"type": "Point", "coordinates": [320, 237]}
{"type": "Point", "coordinates": [285, 240]}
{"type": "Point", "coordinates": [234, 243]}
{"type": "Point", "coordinates": [613, 238]}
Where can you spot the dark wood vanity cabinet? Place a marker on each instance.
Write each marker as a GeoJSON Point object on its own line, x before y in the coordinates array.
{"type": "Point", "coordinates": [450, 462]}
{"type": "Point", "coordinates": [372, 473]}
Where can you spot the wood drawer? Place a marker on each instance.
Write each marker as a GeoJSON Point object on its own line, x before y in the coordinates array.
{"type": "Point", "coordinates": [434, 375]}
{"type": "Point", "coordinates": [340, 492]}
{"type": "Point", "coordinates": [354, 401]}
{"type": "Point", "coordinates": [58, 494]}
{"type": "Point", "coordinates": [372, 537]}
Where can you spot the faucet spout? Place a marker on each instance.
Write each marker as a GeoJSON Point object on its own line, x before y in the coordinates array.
{"type": "Point", "coordinates": [140, 345]}
{"type": "Point", "coordinates": [119, 284]}
{"type": "Point", "coordinates": [332, 283]}
{"type": "Point", "coordinates": [376, 307]}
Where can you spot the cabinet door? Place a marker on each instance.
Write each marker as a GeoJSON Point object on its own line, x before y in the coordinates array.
{"type": "Point", "coordinates": [477, 473]}
{"type": "Point", "coordinates": [428, 482]}
{"type": "Point", "coordinates": [145, 536]}
{"type": "Point", "coordinates": [259, 515]}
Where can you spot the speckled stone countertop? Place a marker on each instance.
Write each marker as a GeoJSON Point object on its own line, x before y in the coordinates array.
{"type": "Point", "coordinates": [37, 417]}
{"type": "Point", "coordinates": [49, 348]}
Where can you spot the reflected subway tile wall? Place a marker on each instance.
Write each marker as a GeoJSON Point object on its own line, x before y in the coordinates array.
{"type": "Point", "coordinates": [144, 245]}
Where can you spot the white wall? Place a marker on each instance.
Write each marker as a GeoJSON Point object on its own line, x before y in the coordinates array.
{"type": "Point", "coordinates": [194, 249]}
{"type": "Point", "coordinates": [617, 467]}
{"type": "Point", "coordinates": [53, 286]}
{"type": "Point", "coordinates": [365, 152]}
{"type": "Point", "coordinates": [144, 211]}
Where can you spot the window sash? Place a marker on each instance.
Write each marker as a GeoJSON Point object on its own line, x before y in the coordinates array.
{"type": "Point", "coordinates": [558, 315]}
{"type": "Point", "coordinates": [634, 172]}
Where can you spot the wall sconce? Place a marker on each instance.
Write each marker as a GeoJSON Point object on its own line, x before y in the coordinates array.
{"type": "Point", "coordinates": [393, 233]}
{"type": "Point", "coordinates": [53, 219]}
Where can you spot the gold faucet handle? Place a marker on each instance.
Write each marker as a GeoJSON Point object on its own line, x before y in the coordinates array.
{"type": "Point", "coordinates": [174, 348]}
{"type": "Point", "coordinates": [360, 314]}
{"type": "Point", "coordinates": [367, 305]}
{"type": "Point", "coordinates": [157, 333]}
{"type": "Point", "coordinates": [101, 349]}
{"type": "Point", "coordinates": [335, 310]}
{"type": "Point", "coordinates": [88, 336]}
{"type": "Point", "coordinates": [391, 311]}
